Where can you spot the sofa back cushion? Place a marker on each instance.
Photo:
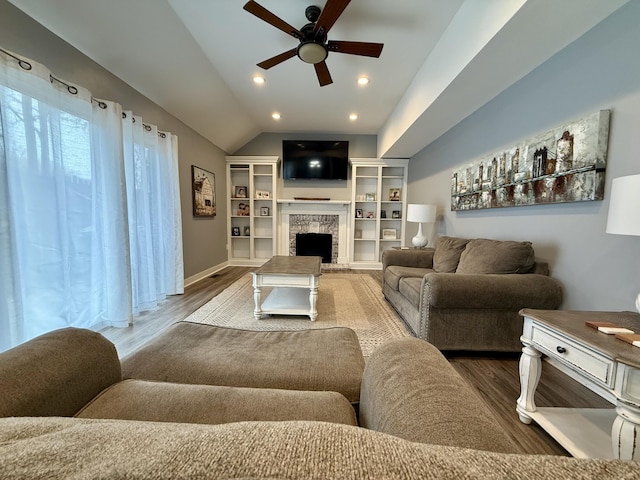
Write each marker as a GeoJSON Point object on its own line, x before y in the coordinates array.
{"type": "Point", "coordinates": [496, 256]}
{"type": "Point", "coordinates": [447, 254]}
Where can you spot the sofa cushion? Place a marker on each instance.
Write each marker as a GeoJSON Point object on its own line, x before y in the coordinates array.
{"type": "Point", "coordinates": [171, 402]}
{"type": "Point", "coordinates": [411, 289]}
{"type": "Point", "coordinates": [496, 256]}
{"type": "Point", "coordinates": [394, 273]}
{"type": "Point", "coordinates": [323, 359]}
{"type": "Point", "coordinates": [447, 254]}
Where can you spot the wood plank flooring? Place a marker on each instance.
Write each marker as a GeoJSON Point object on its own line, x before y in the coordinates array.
{"type": "Point", "coordinates": [494, 376]}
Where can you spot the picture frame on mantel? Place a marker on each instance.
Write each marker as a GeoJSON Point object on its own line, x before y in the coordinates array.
{"type": "Point", "coordinates": [203, 186]}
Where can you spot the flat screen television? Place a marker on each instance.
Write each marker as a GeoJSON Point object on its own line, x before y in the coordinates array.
{"type": "Point", "coordinates": [315, 160]}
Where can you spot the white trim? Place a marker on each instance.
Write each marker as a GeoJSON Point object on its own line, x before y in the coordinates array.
{"type": "Point", "coordinates": [204, 274]}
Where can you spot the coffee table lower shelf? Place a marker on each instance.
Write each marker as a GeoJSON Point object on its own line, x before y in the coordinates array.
{"type": "Point", "coordinates": [583, 432]}
{"type": "Point", "coordinates": [287, 301]}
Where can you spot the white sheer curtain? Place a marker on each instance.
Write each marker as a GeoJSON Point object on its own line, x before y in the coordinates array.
{"type": "Point", "coordinates": [67, 226]}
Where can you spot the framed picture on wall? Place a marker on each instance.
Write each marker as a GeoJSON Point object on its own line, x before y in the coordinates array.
{"type": "Point", "coordinates": [203, 186]}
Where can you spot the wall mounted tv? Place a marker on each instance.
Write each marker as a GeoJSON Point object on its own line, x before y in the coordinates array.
{"type": "Point", "coordinates": [315, 160]}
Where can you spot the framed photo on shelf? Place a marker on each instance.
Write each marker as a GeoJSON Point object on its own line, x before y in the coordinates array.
{"type": "Point", "coordinates": [263, 194]}
{"type": "Point", "coordinates": [203, 185]}
{"type": "Point", "coordinates": [240, 192]}
{"type": "Point", "coordinates": [383, 214]}
{"type": "Point", "coordinates": [264, 211]}
{"type": "Point", "coordinates": [389, 234]}
{"type": "Point", "coordinates": [247, 231]}
{"type": "Point", "coordinates": [394, 194]}
{"type": "Point", "coordinates": [370, 197]}
{"type": "Point", "coordinates": [235, 232]}
{"type": "Point", "coordinates": [243, 209]}
{"type": "Point", "coordinates": [396, 214]}
{"type": "Point", "coordinates": [359, 213]}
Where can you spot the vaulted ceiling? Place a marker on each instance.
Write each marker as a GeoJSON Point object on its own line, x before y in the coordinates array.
{"type": "Point", "coordinates": [441, 61]}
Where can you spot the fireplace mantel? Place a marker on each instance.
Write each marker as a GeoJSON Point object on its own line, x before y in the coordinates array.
{"type": "Point", "coordinates": [339, 208]}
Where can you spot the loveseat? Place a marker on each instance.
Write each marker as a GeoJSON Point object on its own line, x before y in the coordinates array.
{"type": "Point", "coordinates": [418, 419]}
{"type": "Point", "coordinates": [466, 294]}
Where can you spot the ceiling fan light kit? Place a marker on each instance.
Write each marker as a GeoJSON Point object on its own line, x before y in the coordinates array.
{"type": "Point", "coordinates": [313, 47]}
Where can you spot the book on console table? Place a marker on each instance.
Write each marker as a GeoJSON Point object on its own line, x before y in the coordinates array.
{"type": "Point", "coordinates": [632, 338]}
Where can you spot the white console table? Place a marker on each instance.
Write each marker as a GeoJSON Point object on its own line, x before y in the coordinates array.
{"type": "Point", "coordinates": [606, 365]}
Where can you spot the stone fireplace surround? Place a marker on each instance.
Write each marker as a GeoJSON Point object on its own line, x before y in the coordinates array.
{"type": "Point", "coordinates": [315, 216]}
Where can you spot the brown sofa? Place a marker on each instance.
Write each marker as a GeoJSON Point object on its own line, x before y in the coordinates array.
{"type": "Point", "coordinates": [418, 417]}
{"type": "Point", "coordinates": [466, 294]}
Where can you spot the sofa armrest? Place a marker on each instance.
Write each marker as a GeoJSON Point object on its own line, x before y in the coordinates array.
{"type": "Point", "coordinates": [57, 373]}
{"type": "Point", "coordinates": [491, 291]}
{"type": "Point", "coordinates": [410, 390]}
{"type": "Point", "coordinates": [414, 257]}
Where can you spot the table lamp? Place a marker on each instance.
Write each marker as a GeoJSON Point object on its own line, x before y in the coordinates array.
{"type": "Point", "coordinates": [624, 209]}
{"type": "Point", "coordinates": [420, 214]}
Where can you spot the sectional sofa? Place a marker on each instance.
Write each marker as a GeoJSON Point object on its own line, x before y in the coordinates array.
{"type": "Point", "coordinates": [65, 412]}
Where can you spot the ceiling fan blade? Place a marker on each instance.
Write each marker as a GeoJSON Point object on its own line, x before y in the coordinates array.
{"type": "Point", "coordinates": [264, 14]}
{"type": "Point", "coordinates": [366, 49]}
{"type": "Point", "coordinates": [322, 71]}
{"type": "Point", "coordinates": [330, 13]}
{"type": "Point", "coordinates": [273, 61]}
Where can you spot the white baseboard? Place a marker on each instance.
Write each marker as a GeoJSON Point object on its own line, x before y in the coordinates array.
{"type": "Point", "coordinates": [204, 274]}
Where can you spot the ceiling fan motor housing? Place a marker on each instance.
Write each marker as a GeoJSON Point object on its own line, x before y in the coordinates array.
{"type": "Point", "coordinates": [312, 13]}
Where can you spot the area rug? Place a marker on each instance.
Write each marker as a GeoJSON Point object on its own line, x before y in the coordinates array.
{"type": "Point", "coordinates": [344, 300]}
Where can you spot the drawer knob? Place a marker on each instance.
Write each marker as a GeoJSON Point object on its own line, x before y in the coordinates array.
{"type": "Point", "coordinates": [561, 349]}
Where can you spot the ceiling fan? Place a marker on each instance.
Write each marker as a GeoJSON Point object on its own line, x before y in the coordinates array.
{"type": "Point", "coordinates": [314, 47]}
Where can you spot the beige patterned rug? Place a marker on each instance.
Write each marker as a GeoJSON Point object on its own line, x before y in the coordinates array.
{"type": "Point", "coordinates": [351, 300]}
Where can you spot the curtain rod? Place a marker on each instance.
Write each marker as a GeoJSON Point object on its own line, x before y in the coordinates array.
{"type": "Point", "coordinates": [71, 88]}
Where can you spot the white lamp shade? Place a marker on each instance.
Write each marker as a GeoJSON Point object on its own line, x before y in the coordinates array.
{"type": "Point", "coordinates": [421, 213]}
{"type": "Point", "coordinates": [624, 206]}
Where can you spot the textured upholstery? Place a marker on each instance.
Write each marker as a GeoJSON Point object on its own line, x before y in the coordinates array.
{"type": "Point", "coordinates": [56, 373]}
{"type": "Point", "coordinates": [323, 359]}
{"type": "Point", "coordinates": [403, 376]}
{"type": "Point", "coordinates": [36, 448]}
{"type": "Point", "coordinates": [468, 311]}
{"type": "Point", "coordinates": [171, 402]}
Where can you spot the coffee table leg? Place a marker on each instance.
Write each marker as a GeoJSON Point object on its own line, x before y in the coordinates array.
{"type": "Point", "coordinates": [257, 293]}
{"type": "Point", "coordinates": [313, 298]}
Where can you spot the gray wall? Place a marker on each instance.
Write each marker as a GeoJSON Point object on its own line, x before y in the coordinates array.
{"type": "Point", "coordinates": [601, 70]}
{"type": "Point", "coordinates": [360, 146]}
{"type": "Point", "coordinates": [203, 239]}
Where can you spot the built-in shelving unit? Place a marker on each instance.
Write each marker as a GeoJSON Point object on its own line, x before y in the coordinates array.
{"type": "Point", "coordinates": [252, 209]}
{"type": "Point", "coordinates": [379, 189]}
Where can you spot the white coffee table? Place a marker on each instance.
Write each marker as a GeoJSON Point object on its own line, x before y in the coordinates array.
{"type": "Point", "coordinates": [295, 286]}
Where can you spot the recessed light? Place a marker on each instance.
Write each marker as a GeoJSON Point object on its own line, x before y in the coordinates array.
{"type": "Point", "coordinates": [258, 79]}
{"type": "Point", "coordinates": [275, 116]}
{"type": "Point", "coordinates": [363, 80]}
{"type": "Point", "coordinates": [353, 117]}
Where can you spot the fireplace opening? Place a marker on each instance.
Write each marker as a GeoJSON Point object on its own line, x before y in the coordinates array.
{"type": "Point", "coordinates": [314, 244]}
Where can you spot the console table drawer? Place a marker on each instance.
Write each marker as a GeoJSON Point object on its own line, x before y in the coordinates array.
{"type": "Point", "coordinates": [576, 355]}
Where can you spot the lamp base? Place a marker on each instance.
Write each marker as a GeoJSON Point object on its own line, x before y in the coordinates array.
{"type": "Point", "coordinates": [419, 241]}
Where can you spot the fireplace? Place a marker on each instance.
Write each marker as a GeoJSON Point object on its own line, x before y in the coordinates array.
{"type": "Point", "coordinates": [314, 244]}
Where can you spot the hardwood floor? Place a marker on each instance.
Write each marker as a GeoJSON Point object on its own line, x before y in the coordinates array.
{"type": "Point", "coordinates": [494, 376]}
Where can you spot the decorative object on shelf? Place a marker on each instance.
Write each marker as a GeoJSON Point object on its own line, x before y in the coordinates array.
{"type": "Point", "coordinates": [396, 214]}
{"type": "Point", "coordinates": [624, 209]}
{"type": "Point", "coordinates": [264, 211]}
{"type": "Point", "coordinates": [383, 214]}
{"type": "Point", "coordinates": [243, 210]}
{"type": "Point", "coordinates": [420, 213]}
{"type": "Point", "coordinates": [359, 213]}
{"type": "Point", "coordinates": [371, 215]}
{"type": "Point", "coordinates": [203, 184]}
{"type": "Point", "coordinates": [394, 194]}
{"type": "Point", "coordinates": [247, 231]}
{"type": "Point", "coordinates": [564, 164]}
{"type": "Point", "coordinates": [235, 232]}
{"type": "Point", "coordinates": [370, 197]}
{"type": "Point", "coordinates": [263, 195]}
{"type": "Point", "coordinates": [240, 192]}
{"type": "Point", "coordinates": [389, 234]}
